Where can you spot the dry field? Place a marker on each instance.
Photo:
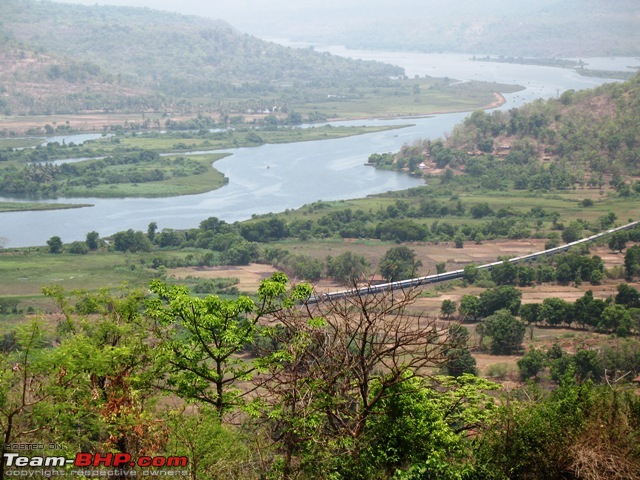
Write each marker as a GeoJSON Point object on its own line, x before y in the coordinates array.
{"type": "Point", "coordinates": [250, 276]}
{"type": "Point", "coordinates": [429, 304]}
{"type": "Point", "coordinates": [85, 123]}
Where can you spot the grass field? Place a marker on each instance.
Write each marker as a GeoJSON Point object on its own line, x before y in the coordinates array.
{"type": "Point", "coordinates": [19, 142]}
{"type": "Point", "coordinates": [27, 206]}
{"type": "Point", "coordinates": [244, 137]}
{"type": "Point", "coordinates": [409, 97]}
{"type": "Point", "coordinates": [23, 274]}
{"type": "Point", "coordinates": [567, 203]}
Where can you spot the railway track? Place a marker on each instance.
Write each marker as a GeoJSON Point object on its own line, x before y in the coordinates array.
{"type": "Point", "coordinates": [446, 276]}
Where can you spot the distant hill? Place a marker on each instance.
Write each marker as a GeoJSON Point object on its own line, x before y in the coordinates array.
{"type": "Point", "coordinates": [78, 57]}
{"type": "Point", "coordinates": [547, 28]}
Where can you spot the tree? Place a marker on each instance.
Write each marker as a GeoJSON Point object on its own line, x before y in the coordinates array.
{"type": "Point", "coordinates": [27, 381]}
{"type": "Point", "coordinates": [546, 438]}
{"type": "Point", "coordinates": [214, 450]}
{"type": "Point", "coordinates": [419, 431]}
{"type": "Point", "coordinates": [305, 266]}
{"type": "Point", "coordinates": [104, 357]}
{"type": "Point", "coordinates": [572, 233]}
{"type": "Point", "coordinates": [201, 337]}
{"type": "Point", "coordinates": [131, 241]}
{"type": "Point", "coordinates": [92, 240]}
{"type": "Point", "coordinates": [531, 364]}
{"type": "Point", "coordinates": [587, 310]}
{"type": "Point", "coordinates": [504, 274]}
{"type": "Point", "coordinates": [448, 308]}
{"type": "Point", "coordinates": [497, 298]}
{"type": "Point", "coordinates": [555, 311]}
{"type": "Point", "coordinates": [632, 261]}
{"type": "Point", "coordinates": [595, 278]}
{"type": "Point", "coordinates": [564, 274]}
{"type": "Point", "coordinates": [77, 248]}
{"type": "Point", "coordinates": [587, 365]}
{"type": "Point", "coordinates": [618, 241]}
{"type": "Point", "coordinates": [608, 220]}
{"type": "Point", "coordinates": [530, 312]}
{"type": "Point", "coordinates": [470, 307]}
{"type": "Point", "coordinates": [399, 263]}
{"type": "Point", "coordinates": [526, 275]}
{"type": "Point", "coordinates": [347, 267]}
{"type": "Point", "coordinates": [553, 241]}
{"type": "Point", "coordinates": [214, 225]}
{"type": "Point", "coordinates": [339, 361]}
{"type": "Point", "coordinates": [459, 358]}
{"type": "Point", "coordinates": [55, 244]}
{"type": "Point", "coordinates": [506, 332]}
{"type": "Point", "coordinates": [471, 273]}
{"type": "Point", "coordinates": [480, 210]}
{"type": "Point", "coordinates": [628, 296]}
{"type": "Point", "coordinates": [615, 318]}
{"type": "Point", "coordinates": [152, 228]}
{"type": "Point", "coordinates": [242, 253]}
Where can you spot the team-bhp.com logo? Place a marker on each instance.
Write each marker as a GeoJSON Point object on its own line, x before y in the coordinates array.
{"type": "Point", "coordinates": [119, 463]}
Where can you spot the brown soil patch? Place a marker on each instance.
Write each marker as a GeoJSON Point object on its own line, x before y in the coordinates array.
{"type": "Point", "coordinates": [249, 276]}
{"type": "Point", "coordinates": [428, 253]}
{"type": "Point", "coordinates": [80, 122]}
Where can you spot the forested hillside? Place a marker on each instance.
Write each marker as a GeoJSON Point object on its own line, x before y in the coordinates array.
{"type": "Point", "coordinates": [590, 134]}
{"type": "Point", "coordinates": [581, 139]}
{"type": "Point", "coordinates": [80, 53]}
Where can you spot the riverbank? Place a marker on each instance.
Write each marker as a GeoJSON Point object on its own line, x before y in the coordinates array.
{"type": "Point", "coordinates": [408, 97]}
{"type": "Point", "coordinates": [30, 207]}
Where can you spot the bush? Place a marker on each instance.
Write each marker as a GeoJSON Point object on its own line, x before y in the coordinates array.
{"type": "Point", "coordinates": [499, 371]}
{"type": "Point", "coordinates": [77, 248]}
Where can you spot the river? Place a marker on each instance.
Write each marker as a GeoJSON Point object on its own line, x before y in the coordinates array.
{"type": "Point", "coordinates": [273, 178]}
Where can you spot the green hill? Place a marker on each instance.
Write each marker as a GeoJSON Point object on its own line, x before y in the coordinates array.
{"type": "Point", "coordinates": [591, 133]}
{"type": "Point", "coordinates": [99, 56]}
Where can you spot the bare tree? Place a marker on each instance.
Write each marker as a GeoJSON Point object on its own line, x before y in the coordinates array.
{"type": "Point", "coordinates": [339, 359]}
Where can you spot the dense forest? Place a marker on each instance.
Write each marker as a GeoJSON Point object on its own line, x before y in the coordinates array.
{"type": "Point", "coordinates": [118, 58]}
